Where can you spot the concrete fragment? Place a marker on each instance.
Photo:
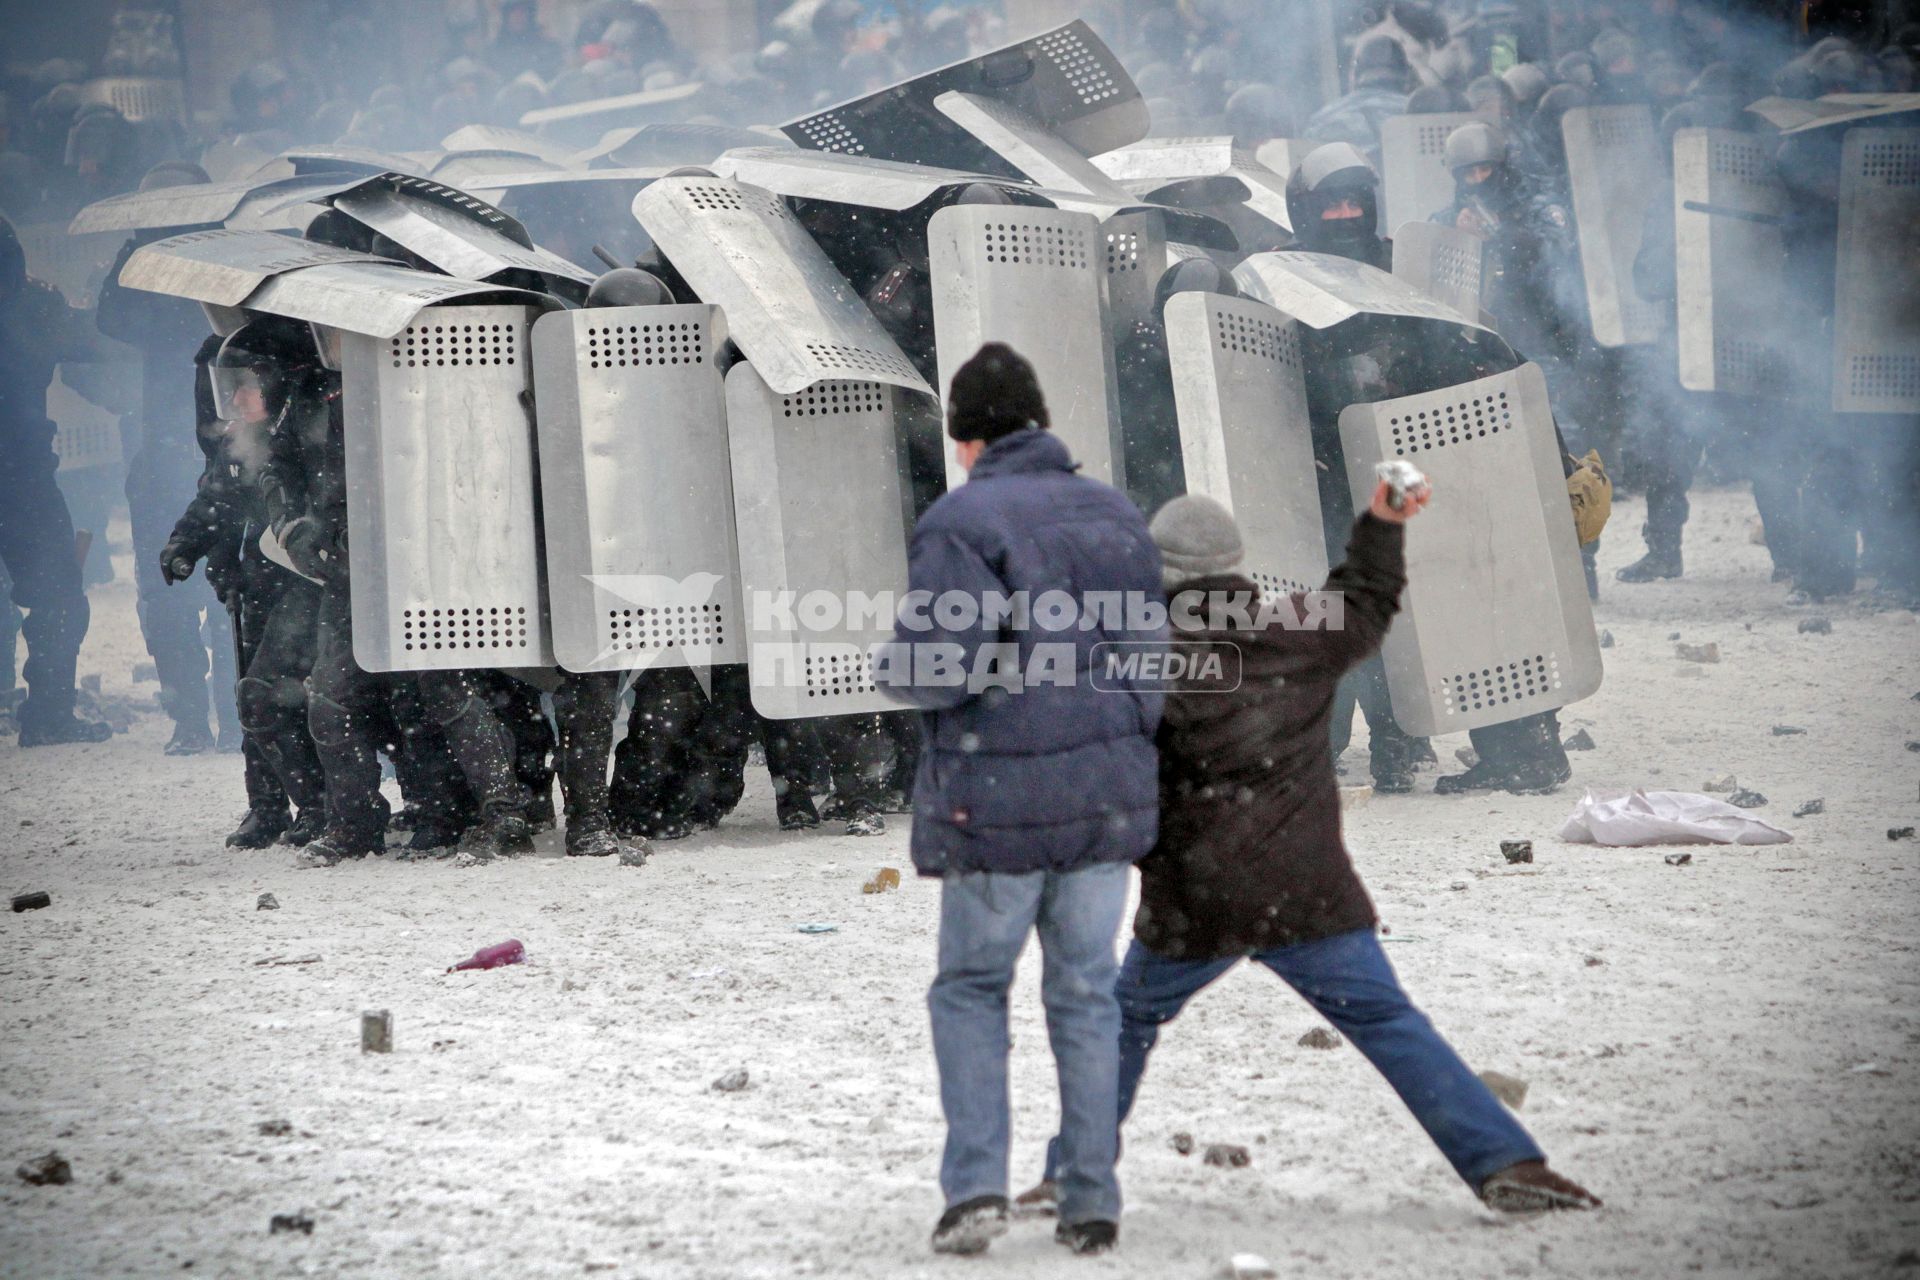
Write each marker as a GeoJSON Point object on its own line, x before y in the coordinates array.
{"type": "Point", "coordinates": [1810, 808]}
{"type": "Point", "coordinates": [1678, 859]}
{"type": "Point", "coordinates": [50, 1170]}
{"type": "Point", "coordinates": [376, 1031]}
{"type": "Point", "coordinates": [732, 1082]}
{"type": "Point", "coordinates": [1815, 627]}
{"type": "Point", "coordinates": [1745, 799]}
{"type": "Point", "coordinates": [1580, 741]}
{"type": "Point", "coordinates": [266, 902]}
{"type": "Point", "coordinates": [1321, 1038]}
{"type": "Point", "coordinates": [1225, 1155]}
{"type": "Point", "coordinates": [1511, 1090]}
{"type": "Point", "coordinates": [1516, 851]}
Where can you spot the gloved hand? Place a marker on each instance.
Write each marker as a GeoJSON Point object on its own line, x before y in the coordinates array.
{"type": "Point", "coordinates": [1591, 493]}
{"type": "Point", "coordinates": [176, 562]}
{"type": "Point", "coordinates": [311, 551]}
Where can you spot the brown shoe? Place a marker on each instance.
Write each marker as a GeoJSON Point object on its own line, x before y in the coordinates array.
{"type": "Point", "coordinates": [1042, 1200]}
{"type": "Point", "coordinates": [1531, 1187]}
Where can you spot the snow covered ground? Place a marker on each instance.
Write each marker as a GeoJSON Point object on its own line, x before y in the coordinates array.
{"type": "Point", "coordinates": [1726, 1051]}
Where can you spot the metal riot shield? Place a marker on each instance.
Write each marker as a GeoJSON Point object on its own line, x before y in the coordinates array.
{"type": "Point", "coordinates": [223, 267]}
{"type": "Point", "coordinates": [1031, 278]}
{"type": "Point", "coordinates": [1735, 333]}
{"type": "Point", "coordinates": [1495, 624]}
{"type": "Point", "coordinates": [1443, 261]}
{"type": "Point", "coordinates": [1240, 391]}
{"type": "Point", "coordinates": [789, 310]}
{"type": "Point", "coordinates": [1149, 167]}
{"type": "Point", "coordinates": [1614, 169]}
{"type": "Point", "coordinates": [85, 435]}
{"type": "Point", "coordinates": [374, 297]}
{"type": "Point", "coordinates": [1415, 182]}
{"type": "Point", "coordinates": [76, 265]}
{"type": "Point", "coordinates": [637, 492]}
{"type": "Point", "coordinates": [1066, 79]}
{"type": "Point", "coordinates": [822, 517]}
{"type": "Point", "coordinates": [139, 98]}
{"type": "Point", "coordinates": [1134, 251]}
{"type": "Point", "coordinates": [195, 205]}
{"type": "Point", "coordinates": [1321, 290]}
{"type": "Point", "coordinates": [456, 232]}
{"type": "Point", "coordinates": [843, 179]}
{"type": "Point", "coordinates": [493, 137]}
{"type": "Point", "coordinates": [442, 514]}
{"type": "Point", "coordinates": [1876, 321]}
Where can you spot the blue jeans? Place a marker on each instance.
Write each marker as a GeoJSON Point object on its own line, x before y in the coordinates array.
{"type": "Point", "coordinates": [984, 922]}
{"type": "Point", "coordinates": [1347, 979]}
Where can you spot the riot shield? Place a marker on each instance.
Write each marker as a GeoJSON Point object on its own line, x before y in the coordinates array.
{"type": "Point", "coordinates": [789, 310]}
{"type": "Point", "coordinates": [1134, 253]}
{"type": "Point", "coordinates": [673, 145]}
{"type": "Point", "coordinates": [822, 517]}
{"type": "Point", "coordinates": [1495, 624]}
{"type": "Point", "coordinates": [443, 518]}
{"type": "Point", "coordinates": [195, 205]}
{"type": "Point", "coordinates": [1066, 80]}
{"type": "Point", "coordinates": [85, 435]}
{"type": "Point", "coordinates": [1415, 182]}
{"type": "Point", "coordinates": [842, 179]}
{"type": "Point", "coordinates": [1148, 168]}
{"type": "Point", "coordinates": [493, 137]}
{"type": "Point", "coordinates": [642, 567]}
{"type": "Point", "coordinates": [1613, 170]}
{"type": "Point", "coordinates": [1031, 278]}
{"type": "Point", "coordinates": [1321, 290]}
{"type": "Point", "coordinates": [1876, 322]}
{"type": "Point", "coordinates": [1240, 391]}
{"type": "Point", "coordinates": [1443, 261]}
{"type": "Point", "coordinates": [456, 232]}
{"type": "Point", "coordinates": [224, 267]}
{"type": "Point", "coordinates": [76, 265]}
{"type": "Point", "coordinates": [1734, 334]}
{"type": "Point", "coordinates": [373, 297]}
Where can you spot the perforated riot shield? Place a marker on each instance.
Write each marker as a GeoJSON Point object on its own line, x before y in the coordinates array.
{"type": "Point", "coordinates": [443, 526]}
{"type": "Point", "coordinates": [1239, 388]}
{"type": "Point", "coordinates": [1495, 624]}
{"type": "Point", "coordinates": [1614, 170]}
{"type": "Point", "coordinates": [1876, 322]}
{"type": "Point", "coordinates": [1735, 332]}
{"type": "Point", "coordinates": [642, 569]}
{"type": "Point", "coordinates": [822, 519]}
{"type": "Point", "coordinates": [76, 265]}
{"type": "Point", "coordinates": [789, 310]}
{"type": "Point", "coordinates": [456, 232]}
{"type": "Point", "coordinates": [1031, 278]}
{"type": "Point", "coordinates": [373, 297]}
{"type": "Point", "coordinates": [85, 435]}
{"type": "Point", "coordinates": [1321, 290]}
{"type": "Point", "coordinates": [1443, 261]}
{"type": "Point", "coordinates": [1148, 167]}
{"type": "Point", "coordinates": [223, 267]}
{"type": "Point", "coordinates": [1065, 79]}
{"type": "Point", "coordinates": [1415, 182]}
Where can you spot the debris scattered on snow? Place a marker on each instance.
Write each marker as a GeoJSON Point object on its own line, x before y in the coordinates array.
{"type": "Point", "coordinates": [1580, 741]}
{"type": "Point", "coordinates": [867, 824]}
{"type": "Point", "coordinates": [1745, 799]}
{"type": "Point", "coordinates": [1677, 859]}
{"type": "Point", "coordinates": [1606, 639]}
{"type": "Point", "coordinates": [1247, 1266]}
{"type": "Point", "coordinates": [1724, 783]}
{"type": "Point", "coordinates": [282, 961]}
{"type": "Point", "coordinates": [879, 1124]}
{"type": "Point", "coordinates": [887, 878]}
{"type": "Point", "coordinates": [1182, 1144]}
{"type": "Point", "coordinates": [32, 901]}
{"type": "Point", "coordinates": [267, 902]}
{"type": "Point", "coordinates": [1698, 652]}
{"type": "Point", "coordinates": [283, 1223]}
{"type": "Point", "coordinates": [376, 1031]}
{"type": "Point", "coordinates": [816, 928]}
{"type": "Point", "coordinates": [1322, 1037]}
{"type": "Point", "coordinates": [1458, 886]}
{"type": "Point", "coordinates": [1899, 833]}
{"type": "Point", "coordinates": [1517, 851]}
{"type": "Point", "coordinates": [1815, 627]}
{"type": "Point", "coordinates": [732, 1082]}
{"type": "Point", "coordinates": [1225, 1155]}
{"type": "Point", "coordinates": [1625, 818]}
{"type": "Point", "coordinates": [1787, 730]}
{"type": "Point", "coordinates": [1810, 808]}
{"type": "Point", "coordinates": [1467, 756]}
{"type": "Point", "coordinates": [274, 1128]}
{"type": "Point", "coordinates": [1511, 1090]}
{"type": "Point", "coordinates": [633, 855]}
{"type": "Point", "coordinates": [512, 951]}
{"type": "Point", "coordinates": [464, 859]}
{"type": "Point", "coordinates": [50, 1170]}
{"type": "Point", "coordinates": [1355, 797]}
{"type": "Point", "coordinates": [1594, 962]}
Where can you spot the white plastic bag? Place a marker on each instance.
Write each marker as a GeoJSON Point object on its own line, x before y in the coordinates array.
{"type": "Point", "coordinates": [1622, 818]}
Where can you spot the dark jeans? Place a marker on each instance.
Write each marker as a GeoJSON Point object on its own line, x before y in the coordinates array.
{"type": "Point", "coordinates": [1347, 979]}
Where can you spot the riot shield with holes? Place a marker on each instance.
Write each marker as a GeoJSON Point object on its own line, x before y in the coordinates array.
{"type": "Point", "coordinates": [442, 515]}
{"type": "Point", "coordinates": [1876, 323]}
{"type": "Point", "coordinates": [1032, 278]}
{"type": "Point", "coordinates": [1735, 333]}
{"type": "Point", "coordinates": [1495, 624]}
{"type": "Point", "coordinates": [85, 435]}
{"type": "Point", "coordinates": [1066, 79]}
{"type": "Point", "coordinates": [1415, 182]}
{"type": "Point", "coordinates": [1443, 261]}
{"type": "Point", "coordinates": [642, 569]}
{"type": "Point", "coordinates": [822, 516]}
{"type": "Point", "coordinates": [1613, 170]}
{"type": "Point", "coordinates": [794, 316]}
{"type": "Point", "coordinates": [1239, 387]}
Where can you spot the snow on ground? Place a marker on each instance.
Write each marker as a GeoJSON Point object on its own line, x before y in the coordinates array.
{"type": "Point", "coordinates": [1725, 1051]}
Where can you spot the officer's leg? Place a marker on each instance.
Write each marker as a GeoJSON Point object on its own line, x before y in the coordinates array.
{"type": "Point", "coordinates": [169, 615]}
{"type": "Point", "coordinates": [585, 707]}
{"type": "Point", "coordinates": [716, 768]}
{"type": "Point", "coordinates": [518, 705]}
{"type": "Point", "coordinates": [273, 695]}
{"type": "Point", "coordinates": [37, 546]}
{"type": "Point", "coordinates": [1523, 756]}
{"type": "Point", "coordinates": [1828, 504]}
{"type": "Point", "coordinates": [455, 701]}
{"type": "Point", "coordinates": [651, 763]}
{"type": "Point", "coordinates": [342, 713]}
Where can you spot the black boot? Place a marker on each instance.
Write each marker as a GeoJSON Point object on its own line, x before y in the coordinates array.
{"type": "Point", "coordinates": [259, 829]}
{"type": "Point", "coordinates": [502, 833]}
{"type": "Point", "coordinates": [433, 833]}
{"type": "Point", "coordinates": [60, 731]}
{"type": "Point", "coordinates": [189, 739]}
{"type": "Point", "coordinates": [970, 1226]}
{"type": "Point", "coordinates": [306, 827]}
{"type": "Point", "coordinates": [339, 844]}
{"type": "Point", "coordinates": [1661, 561]}
{"type": "Point", "coordinates": [1085, 1238]}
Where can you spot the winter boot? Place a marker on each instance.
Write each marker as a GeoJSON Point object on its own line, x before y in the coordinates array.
{"type": "Point", "coordinates": [259, 829]}
{"type": "Point", "coordinates": [503, 833]}
{"type": "Point", "coordinates": [336, 845]}
{"type": "Point", "coordinates": [189, 739]}
{"type": "Point", "coordinates": [1531, 1187]}
{"type": "Point", "coordinates": [1042, 1200]}
{"type": "Point", "coordinates": [1657, 563]}
{"type": "Point", "coordinates": [306, 827]}
{"type": "Point", "coordinates": [970, 1226]}
{"type": "Point", "coordinates": [1484, 775]}
{"type": "Point", "coordinates": [57, 731]}
{"type": "Point", "coordinates": [796, 810]}
{"type": "Point", "coordinates": [434, 834]}
{"type": "Point", "coordinates": [540, 814]}
{"type": "Point", "coordinates": [1085, 1238]}
{"type": "Point", "coordinates": [867, 822]}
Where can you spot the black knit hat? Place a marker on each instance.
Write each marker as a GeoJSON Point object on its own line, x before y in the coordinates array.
{"type": "Point", "coordinates": [994, 394]}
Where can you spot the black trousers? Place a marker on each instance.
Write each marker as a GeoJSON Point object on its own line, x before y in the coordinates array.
{"type": "Point", "coordinates": [37, 548]}
{"type": "Point", "coordinates": [279, 629]}
{"type": "Point", "coordinates": [160, 484]}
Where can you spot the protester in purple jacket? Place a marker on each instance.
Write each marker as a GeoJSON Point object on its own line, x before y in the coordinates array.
{"type": "Point", "coordinates": [1036, 789]}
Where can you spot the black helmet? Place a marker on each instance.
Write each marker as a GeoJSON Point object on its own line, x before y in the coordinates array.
{"type": "Point", "coordinates": [1332, 175]}
{"type": "Point", "coordinates": [983, 193]}
{"type": "Point", "coordinates": [1381, 61]}
{"type": "Point", "coordinates": [629, 287]}
{"type": "Point", "coordinates": [263, 356]}
{"type": "Point", "coordinates": [174, 173]}
{"type": "Point", "coordinates": [1255, 113]}
{"type": "Point", "coordinates": [1194, 275]}
{"type": "Point", "coordinates": [691, 171]}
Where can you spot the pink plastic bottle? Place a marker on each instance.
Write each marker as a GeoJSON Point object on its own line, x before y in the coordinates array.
{"type": "Point", "coordinates": [508, 952]}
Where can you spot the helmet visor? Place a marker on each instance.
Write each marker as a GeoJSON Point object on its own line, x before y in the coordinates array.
{"type": "Point", "coordinates": [239, 395]}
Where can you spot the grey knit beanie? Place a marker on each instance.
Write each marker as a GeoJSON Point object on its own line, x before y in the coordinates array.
{"type": "Point", "coordinates": [1197, 537]}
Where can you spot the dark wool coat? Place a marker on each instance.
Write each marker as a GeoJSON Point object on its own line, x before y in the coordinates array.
{"type": "Point", "coordinates": [1250, 854]}
{"type": "Point", "coordinates": [1053, 777]}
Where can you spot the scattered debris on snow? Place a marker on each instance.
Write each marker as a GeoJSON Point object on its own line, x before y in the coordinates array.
{"type": "Point", "coordinates": [887, 878]}
{"type": "Point", "coordinates": [267, 902]}
{"type": "Point", "coordinates": [1511, 1090]}
{"type": "Point", "coordinates": [1787, 730]}
{"type": "Point", "coordinates": [1321, 1038]}
{"type": "Point", "coordinates": [732, 1082]}
{"type": "Point", "coordinates": [1580, 741]}
{"type": "Point", "coordinates": [285, 1223]}
{"type": "Point", "coordinates": [50, 1170]}
{"type": "Point", "coordinates": [1225, 1155]}
{"type": "Point", "coordinates": [1182, 1143]}
{"type": "Point", "coordinates": [1516, 851]}
{"type": "Point", "coordinates": [32, 901]}
{"type": "Point", "coordinates": [1678, 859]}
{"type": "Point", "coordinates": [1247, 1266]}
{"type": "Point", "coordinates": [1745, 799]}
{"type": "Point", "coordinates": [1815, 627]}
{"type": "Point", "coordinates": [1810, 808]}
{"type": "Point", "coordinates": [376, 1031]}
